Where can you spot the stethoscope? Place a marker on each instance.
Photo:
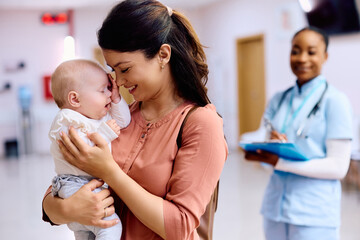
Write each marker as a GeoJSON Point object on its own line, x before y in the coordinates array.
{"type": "Point", "coordinates": [301, 130]}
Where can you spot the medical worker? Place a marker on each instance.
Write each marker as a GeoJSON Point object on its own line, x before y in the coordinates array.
{"type": "Point", "coordinates": [302, 199]}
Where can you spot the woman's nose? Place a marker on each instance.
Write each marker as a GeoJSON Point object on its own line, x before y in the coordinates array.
{"type": "Point", "coordinates": [303, 57]}
{"type": "Point", "coordinates": [120, 81]}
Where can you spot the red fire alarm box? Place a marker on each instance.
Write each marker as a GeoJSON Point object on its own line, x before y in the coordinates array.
{"type": "Point", "coordinates": [47, 88]}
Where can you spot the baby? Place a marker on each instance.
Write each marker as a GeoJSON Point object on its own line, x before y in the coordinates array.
{"type": "Point", "coordinates": [89, 101]}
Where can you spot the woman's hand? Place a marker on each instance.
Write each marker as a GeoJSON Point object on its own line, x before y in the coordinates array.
{"type": "Point", "coordinates": [274, 135]}
{"type": "Point", "coordinates": [92, 207]}
{"type": "Point", "coordinates": [96, 161]}
{"type": "Point", "coordinates": [262, 156]}
{"type": "Point", "coordinates": [84, 206]}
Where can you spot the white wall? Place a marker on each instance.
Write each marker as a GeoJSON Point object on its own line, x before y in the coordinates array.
{"type": "Point", "coordinates": [218, 25]}
{"type": "Point", "coordinates": [25, 38]}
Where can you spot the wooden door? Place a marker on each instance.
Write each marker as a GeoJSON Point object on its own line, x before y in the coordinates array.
{"type": "Point", "coordinates": [251, 82]}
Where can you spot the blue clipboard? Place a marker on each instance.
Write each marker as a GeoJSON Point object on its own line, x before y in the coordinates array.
{"type": "Point", "coordinates": [287, 151]}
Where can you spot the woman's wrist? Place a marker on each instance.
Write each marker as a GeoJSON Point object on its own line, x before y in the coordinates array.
{"type": "Point", "coordinates": [274, 160]}
{"type": "Point", "coordinates": [113, 172]}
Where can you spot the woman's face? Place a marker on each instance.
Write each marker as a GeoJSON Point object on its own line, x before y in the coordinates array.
{"type": "Point", "coordinates": [307, 55]}
{"type": "Point", "coordinates": [141, 76]}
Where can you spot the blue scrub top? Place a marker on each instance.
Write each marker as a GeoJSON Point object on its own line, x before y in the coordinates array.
{"type": "Point", "coordinates": [293, 198]}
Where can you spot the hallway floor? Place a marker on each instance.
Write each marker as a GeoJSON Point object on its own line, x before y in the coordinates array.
{"type": "Point", "coordinates": [23, 183]}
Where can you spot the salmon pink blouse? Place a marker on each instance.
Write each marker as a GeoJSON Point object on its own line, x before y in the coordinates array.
{"type": "Point", "coordinates": [184, 178]}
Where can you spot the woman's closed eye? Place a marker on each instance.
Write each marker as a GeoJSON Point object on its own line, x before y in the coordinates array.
{"type": "Point", "coordinates": [125, 70]}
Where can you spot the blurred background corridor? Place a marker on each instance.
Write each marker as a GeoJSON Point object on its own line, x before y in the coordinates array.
{"type": "Point", "coordinates": [247, 47]}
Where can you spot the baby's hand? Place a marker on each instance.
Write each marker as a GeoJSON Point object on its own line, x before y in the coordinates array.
{"type": "Point", "coordinates": [114, 126]}
{"type": "Point", "coordinates": [115, 95]}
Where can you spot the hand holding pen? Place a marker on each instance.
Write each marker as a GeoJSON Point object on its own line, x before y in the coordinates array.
{"type": "Point", "coordinates": [274, 135]}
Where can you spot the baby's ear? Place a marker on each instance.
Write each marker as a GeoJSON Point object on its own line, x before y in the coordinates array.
{"type": "Point", "coordinates": [73, 99]}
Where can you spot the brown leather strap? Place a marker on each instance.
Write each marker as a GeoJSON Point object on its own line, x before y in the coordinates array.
{"type": "Point", "coordinates": [179, 138]}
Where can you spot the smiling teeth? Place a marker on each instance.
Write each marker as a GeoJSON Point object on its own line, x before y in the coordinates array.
{"type": "Point", "coordinates": [302, 68]}
{"type": "Point", "coordinates": [131, 88]}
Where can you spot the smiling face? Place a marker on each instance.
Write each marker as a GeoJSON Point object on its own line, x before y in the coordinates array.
{"type": "Point", "coordinates": [308, 54]}
{"type": "Point", "coordinates": [144, 78]}
{"type": "Point", "coordinates": [93, 93]}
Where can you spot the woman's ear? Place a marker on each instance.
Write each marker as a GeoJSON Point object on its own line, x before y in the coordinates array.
{"type": "Point", "coordinates": [164, 54]}
{"type": "Point", "coordinates": [73, 99]}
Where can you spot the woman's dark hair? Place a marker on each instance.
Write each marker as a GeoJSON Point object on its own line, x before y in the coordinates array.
{"type": "Point", "coordinates": [145, 25]}
{"type": "Point", "coordinates": [317, 30]}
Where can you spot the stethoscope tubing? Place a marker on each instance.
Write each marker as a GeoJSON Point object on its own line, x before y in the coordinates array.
{"type": "Point", "coordinates": [313, 111]}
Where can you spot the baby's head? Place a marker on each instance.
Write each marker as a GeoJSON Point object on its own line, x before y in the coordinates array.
{"type": "Point", "coordinates": [83, 86]}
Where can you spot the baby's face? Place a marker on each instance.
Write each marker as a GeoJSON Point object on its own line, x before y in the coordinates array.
{"type": "Point", "coordinates": [94, 95]}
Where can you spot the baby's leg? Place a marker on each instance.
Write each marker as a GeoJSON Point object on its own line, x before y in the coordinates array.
{"type": "Point", "coordinates": [84, 235]}
{"type": "Point", "coordinates": [66, 185]}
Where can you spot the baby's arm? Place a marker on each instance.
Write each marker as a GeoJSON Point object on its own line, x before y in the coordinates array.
{"type": "Point", "coordinates": [108, 130]}
{"type": "Point", "coordinates": [114, 126]}
{"type": "Point", "coordinates": [121, 113]}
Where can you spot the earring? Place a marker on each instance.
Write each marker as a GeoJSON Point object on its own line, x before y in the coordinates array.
{"type": "Point", "coordinates": [161, 63]}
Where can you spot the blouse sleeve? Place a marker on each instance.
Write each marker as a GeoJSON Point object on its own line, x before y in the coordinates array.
{"type": "Point", "coordinates": [196, 171]}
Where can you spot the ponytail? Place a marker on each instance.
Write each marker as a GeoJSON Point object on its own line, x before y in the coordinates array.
{"type": "Point", "coordinates": [145, 25]}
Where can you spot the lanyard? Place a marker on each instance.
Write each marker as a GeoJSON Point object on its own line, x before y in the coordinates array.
{"type": "Point", "coordinates": [287, 122]}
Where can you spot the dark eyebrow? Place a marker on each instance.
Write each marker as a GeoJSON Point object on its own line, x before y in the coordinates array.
{"type": "Point", "coordinates": [310, 47]}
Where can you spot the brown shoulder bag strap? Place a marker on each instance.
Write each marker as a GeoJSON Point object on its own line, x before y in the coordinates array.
{"type": "Point", "coordinates": [179, 138]}
{"type": "Point", "coordinates": [205, 229]}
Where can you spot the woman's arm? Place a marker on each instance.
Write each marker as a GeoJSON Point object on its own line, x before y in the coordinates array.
{"type": "Point", "coordinates": [334, 166]}
{"type": "Point", "coordinates": [148, 208]}
{"type": "Point", "coordinates": [98, 162]}
{"type": "Point", "coordinates": [85, 206]}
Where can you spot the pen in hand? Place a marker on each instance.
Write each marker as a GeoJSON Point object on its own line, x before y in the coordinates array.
{"type": "Point", "coordinates": [278, 136]}
{"type": "Point", "coordinates": [275, 135]}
